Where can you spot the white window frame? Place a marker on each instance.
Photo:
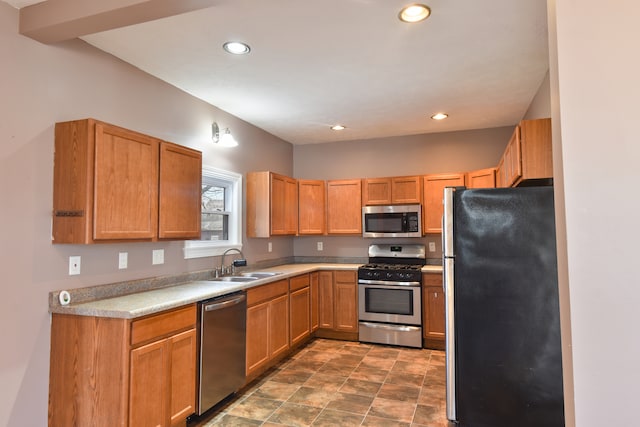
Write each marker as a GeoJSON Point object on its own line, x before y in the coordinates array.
{"type": "Point", "coordinates": [207, 248]}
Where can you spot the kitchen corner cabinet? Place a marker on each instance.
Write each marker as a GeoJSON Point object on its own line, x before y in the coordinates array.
{"type": "Point", "coordinates": [272, 205]}
{"type": "Point", "coordinates": [344, 209]}
{"type": "Point", "coordinates": [483, 178]}
{"type": "Point", "coordinates": [267, 325]}
{"type": "Point", "coordinates": [118, 372]}
{"type": "Point", "coordinates": [433, 198]}
{"type": "Point", "coordinates": [338, 303]}
{"type": "Point", "coordinates": [433, 311]}
{"type": "Point", "coordinates": [114, 184]}
{"type": "Point", "coordinates": [528, 155]}
{"type": "Point", "coordinates": [300, 308]}
{"type": "Point", "coordinates": [392, 191]}
{"type": "Point", "coordinates": [311, 207]}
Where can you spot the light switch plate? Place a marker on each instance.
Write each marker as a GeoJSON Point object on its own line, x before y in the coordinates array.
{"type": "Point", "coordinates": [432, 247]}
{"type": "Point", "coordinates": [269, 247]}
{"type": "Point", "coordinates": [123, 260]}
{"type": "Point", "coordinates": [74, 265]}
{"type": "Point", "coordinates": [158, 256]}
{"type": "Point", "coordinates": [319, 246]}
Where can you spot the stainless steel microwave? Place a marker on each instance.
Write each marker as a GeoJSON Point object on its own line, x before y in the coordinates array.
{"type": "Point", "coordinates": [392, 221]}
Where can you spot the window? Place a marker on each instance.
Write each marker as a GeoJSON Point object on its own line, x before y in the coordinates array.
{"type": "Point", "coordinates": [221, 214]}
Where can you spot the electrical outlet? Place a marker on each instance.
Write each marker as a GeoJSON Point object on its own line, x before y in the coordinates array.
{"type": "Point", "coordinates": [319, 246]}
{"type": "Point", "coordinates": [432, 247]}
{"type": "Point", "coordinates": [122, 260]}
{"type": "Point", "coordinates": [269, 247]}
{"type": "Point", "coordinates": [74, 265]}
{"type": "Point", "coordinates": [158, 256]}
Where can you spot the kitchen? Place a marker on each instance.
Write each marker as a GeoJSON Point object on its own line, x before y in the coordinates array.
{"type": "Point", "coordinates": [33, 267]}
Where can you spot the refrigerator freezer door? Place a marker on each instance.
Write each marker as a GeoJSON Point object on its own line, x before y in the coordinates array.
{"type": "Point", "coordinates": [447, 223]}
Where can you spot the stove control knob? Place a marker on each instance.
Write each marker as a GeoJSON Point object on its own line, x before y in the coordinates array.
{"type": "Point", "coordinates": [389, 275]}
{"type": "Point", "coordinates": [376, 274]}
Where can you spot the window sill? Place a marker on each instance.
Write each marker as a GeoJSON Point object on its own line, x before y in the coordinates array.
{"type": "Point", "coordinates": [202, 248]}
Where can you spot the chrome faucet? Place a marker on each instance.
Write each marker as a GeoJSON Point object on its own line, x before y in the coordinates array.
{"type": "Point", "coordinates": [231, 268]}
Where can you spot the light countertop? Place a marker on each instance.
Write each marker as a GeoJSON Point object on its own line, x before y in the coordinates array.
{"type": "Point", "coordinates": [152, 301]}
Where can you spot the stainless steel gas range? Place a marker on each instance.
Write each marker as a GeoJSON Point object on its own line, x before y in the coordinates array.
{"type": "Point", "coordinates": [390, 295]}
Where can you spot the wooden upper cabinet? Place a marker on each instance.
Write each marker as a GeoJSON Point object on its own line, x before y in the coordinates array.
{"type": "Point", "coordinates": [180, 192]}
{"type": "Point", "coordinates": [528, 154]}
{"type": "Point", "coordinates": [376, 191]}
{"type": "Point", "coordinates": [107, 188]}
{"type": "Point", "coordinates": [483, 178]}
{"type": "Point", "coordinates": [344, 211]}
{"type": "Point", "coordinates": [433, 198]}
{"type": "Point", "coordinates": [272, 204]}
{"type": "Point", "coordinates": [311, 207]}
{"type": "Point", "coordinates": [392, 191]}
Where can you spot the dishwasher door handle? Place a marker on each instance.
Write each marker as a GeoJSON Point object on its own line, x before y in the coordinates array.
{"type": "Point", "coordinates": [218, 305]}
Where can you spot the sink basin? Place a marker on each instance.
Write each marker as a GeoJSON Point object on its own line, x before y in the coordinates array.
{"type": "Point", "coordinates": [261, 274]}
{"type": "Point", "coordinates": [235, 279]}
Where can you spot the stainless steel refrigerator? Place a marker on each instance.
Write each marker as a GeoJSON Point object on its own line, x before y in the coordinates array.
{"type": "Point", "coordinates": [504, 365]}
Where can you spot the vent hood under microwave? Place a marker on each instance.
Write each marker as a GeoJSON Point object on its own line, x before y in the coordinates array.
{"type": "Point", "coordinates": [392, 221]}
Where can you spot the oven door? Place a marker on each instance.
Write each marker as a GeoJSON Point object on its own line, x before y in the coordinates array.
{"type": "Point", "coordinates": [390, 304]}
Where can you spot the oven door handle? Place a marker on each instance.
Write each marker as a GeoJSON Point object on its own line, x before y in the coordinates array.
{"type": "Point", "coordinates": [387, 283]}
{"type": "Point", "coordinates": [402, 328]}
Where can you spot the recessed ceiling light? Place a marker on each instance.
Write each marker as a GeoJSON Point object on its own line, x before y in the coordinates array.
{"type": "Point", "coordinates": [439, 116]}
{"type": "Point", "coordinates": [414, 13]}
{"type": "Point", "coordinates": [338, 127]}
{"type": "Point", "coordinates": [236, 48]}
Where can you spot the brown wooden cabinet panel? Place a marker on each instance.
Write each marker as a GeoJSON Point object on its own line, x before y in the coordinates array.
{"type": "Point", "coordinates": [406, 190]}
{"type": "Point", "coordinates": [98, 378]}
{"type": "Point", "coordinates": [272, 205]}
{"type": "Point", "coordinates": [344, 209]}
{"type": "Point", "coordinates": [314, 284]}
{"type": "Point", "coordinates": [345, 301]}
{"type": "Point", "coordinates": [257, 352]}
{"type": "Point", "coordinates": [433, 311]}
{"type": "Point", "coordinates": [311, 207]}
{"type": "Point", "coordinates": [483, 178]}
{"type": "Point", "coordinates": [325, 299]}
{"type": "Point", "coordinates": [180, 192]}
{"type": "Point", "coordinates": [299, 302]}
{"type": "Point", "coordinates": [107, 188]}
{"type": "Point", "coordinates": [278, 326]}
{"type": "Point", "coordinates": [376, 191]}
{"type": "Point", "coordinates": [433, 196]}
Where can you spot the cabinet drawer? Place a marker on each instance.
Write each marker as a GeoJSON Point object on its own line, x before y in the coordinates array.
{"type": "Point", "coordinates": [345, 276]}
{"type": "Point", "coordinates": [267, 292]}
{"type": "Point", "coordinates": [163, 324]}
{"type": "Point", "coordinates": [432, 279]}
{"type": "Point", "coordinates": [298, 282]}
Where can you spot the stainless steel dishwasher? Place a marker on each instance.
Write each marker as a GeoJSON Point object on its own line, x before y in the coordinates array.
{"type": "Point", "coordinates": [222, 340]}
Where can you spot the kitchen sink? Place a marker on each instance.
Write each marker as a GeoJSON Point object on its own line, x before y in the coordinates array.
{"type": "Point", "coordinates": [261, 274]}
{"type": "Point", "coordinates": [235, 279]}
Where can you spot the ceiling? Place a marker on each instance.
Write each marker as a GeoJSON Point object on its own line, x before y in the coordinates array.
{"type": "Point", "coordinates": [353, 62]}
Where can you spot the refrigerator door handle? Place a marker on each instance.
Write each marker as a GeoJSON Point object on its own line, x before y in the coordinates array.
{"type": "Point", "coordinates": [447, 222]}
{"type": "Point", "coordinates": [450, 342]}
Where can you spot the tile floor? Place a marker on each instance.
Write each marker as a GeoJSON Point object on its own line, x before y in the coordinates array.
{"type": "Point", "coordinates": [341, 383]}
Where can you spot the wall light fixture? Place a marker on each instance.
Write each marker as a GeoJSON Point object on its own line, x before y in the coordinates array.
{"type": "Point", "coordinates": [224, 140]}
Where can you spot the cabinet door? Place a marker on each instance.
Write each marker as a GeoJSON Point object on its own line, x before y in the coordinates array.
{"type": "Point", "coordinates": [278, 325]}
{"type": "Point", "coordinates": [325, 299]}
{"type": "Point", "coordinates": [148, 385]}
{"type": "Point", "coordinates": [433, 197]}
{"type": "Point", "coordinates": [311, 207]}
{"type": "Point", "coordinates": [125, 184]}
{"type": "Point", "coordinates": [434, 320]}
{"type": "Point", "coordinates": [513, 159]}
{"type": "Point", "coordinates": [406, 190]}
{"type": "Point", "coordinates": [299, 302]}
{"type": "Point", "coordinates": [535, 145]}
{"type": "Point", "coordinates": [376, 191]}
{"type": "Point", "coordinates": [345, 301]}
{"type": "Point", "coordinates": [483, 178]}
{"type": "Point", "coordinates": [344, 210]}
{"type": "Point", "coordinates": [257, 352]}
{"type": "Point", "coordinates": [182, 356]}
{"type": "Point", "coordinates": [284, 205]}
{"type": "Point", "coordinates": [180, 192]}
{"type": "Point", "coordinates": [314, 296]}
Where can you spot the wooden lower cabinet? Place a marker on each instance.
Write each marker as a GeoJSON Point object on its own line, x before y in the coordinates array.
{"type": "Point", "coordinates": [119, 372]}
{"type": "Point", "coordinates": [314, 285]}
{"type": "Point", "coordinates": [338, 304]}
{"type": "Point", "coordinates": [433, 311]}
{"type": "Point", "coordinates": [267, 325]}
{"type": "Point", "coordinates": [300, 308]}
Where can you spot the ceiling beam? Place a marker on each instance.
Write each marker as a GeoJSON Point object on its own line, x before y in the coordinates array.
{"type": "Point", "coordinates": [54, 21]}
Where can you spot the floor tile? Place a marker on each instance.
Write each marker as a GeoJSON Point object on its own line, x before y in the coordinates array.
{"type": "Point", "coordinates": [371, 421]}
{"type": "Point", "coordinates": [255, 408]}
{"type": "Point", "coordinates": [399, 392]}
{"type": "Point", "coordinates": [361, 387]}
{"type": "Point", "coordinates": [377, 362]}
{"type": "Point", "coordinates": [429, 415]}
{"type": "Point", "coordinates": [326, 382]}
{"type": "Point", "coordinates": [291, 377]}
{"type": "Point", "coordinates": [369, 374]}
{"type": "Point", "coordinates": [311, 397]}
{"type": "Point", "coordinates": [331, 418]}
{"type": "Point", "coordinates": [295, 415]}
{"type": "Point", "coordinates": [234, 421]}
{"type": "Point", "coordinates": [350, 403]}
{"type": "Point", "coordinates": [406, 378]}
{"type": "Point", "coordinates": [276, 390]}
{"type": "Point", "coordinates": [338, 369]}
{"type": "Point", "coordinates": [392, 409]}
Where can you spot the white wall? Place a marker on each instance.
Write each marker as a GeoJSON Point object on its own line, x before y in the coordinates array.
{"type": "Point", "coordinates": [595, 95]}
